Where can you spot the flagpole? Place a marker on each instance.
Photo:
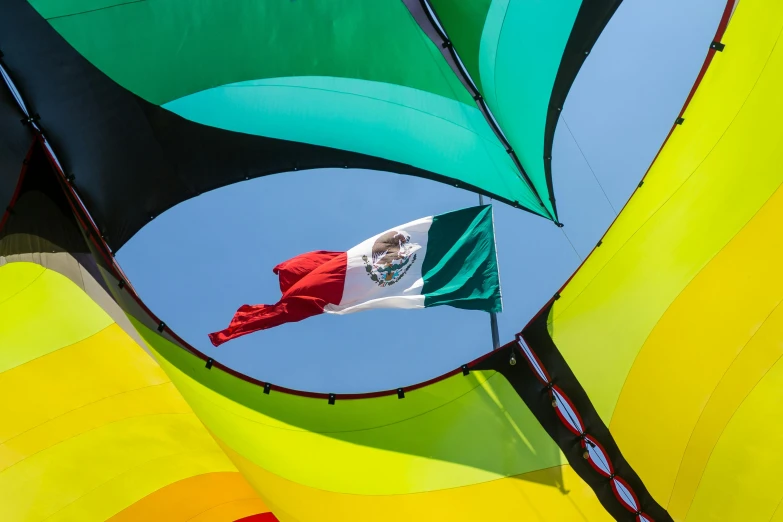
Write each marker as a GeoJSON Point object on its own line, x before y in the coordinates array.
{"type": "Point", "coordinates": [493, 317]}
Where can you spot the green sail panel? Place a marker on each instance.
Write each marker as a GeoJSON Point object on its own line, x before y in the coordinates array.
{"type": "Point", "coordinates": [384, 120]}
{"type": "Point", "coordinates": [523, 57]}
{"type": "Point", "coordinates": [225, 64]}
{"type": "Point", "coordinates": [163, 50]}
{"type": "Point", "coordinates": [519, 58]}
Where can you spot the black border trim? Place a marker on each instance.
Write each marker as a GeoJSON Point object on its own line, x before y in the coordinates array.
{"type": "Point", "coordinates": [536, 396]}
{"type": "Point", "coordinates": [591, 20]}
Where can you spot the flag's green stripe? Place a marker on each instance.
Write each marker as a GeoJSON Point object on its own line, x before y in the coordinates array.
{"type": "Point", "coordinates": [460, 268]}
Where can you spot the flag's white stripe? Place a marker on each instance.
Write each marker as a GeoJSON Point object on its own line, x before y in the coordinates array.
{"type": "Point", "coordinates": [361, 292]}
{"type": "Point", "coordinates": [397, 301]}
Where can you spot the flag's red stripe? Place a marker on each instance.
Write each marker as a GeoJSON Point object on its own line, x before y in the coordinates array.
{"type": "Point", "coordinates": [292, 271]}
{"type": "Point", "coordinates": [306, 297]}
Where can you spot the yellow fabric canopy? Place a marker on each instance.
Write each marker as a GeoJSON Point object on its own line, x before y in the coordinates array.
{"type": "Point", "coordinates": [92, 428]}
{"type": "Point", "coordinates": [673, 325]}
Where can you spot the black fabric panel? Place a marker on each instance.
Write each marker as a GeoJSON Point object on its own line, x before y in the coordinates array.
{"type": "Point", "coordinates": [537, 398]}
{"type": "Point", "coordinates": [15, 140]}
{"type": "Point", "coordinates": [41, 219]}
{"type": "Point", "coordinates": [419, 13]}
{"type": "Point", "coordinates": [590, 22]}
{"type": "Point", "coordinates": [133, 160]}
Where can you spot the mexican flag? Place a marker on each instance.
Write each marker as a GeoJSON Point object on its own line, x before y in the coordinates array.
{"type": "Point", "coordinates": [447, 259]}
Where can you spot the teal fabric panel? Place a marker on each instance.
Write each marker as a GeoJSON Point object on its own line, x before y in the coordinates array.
{"type": "Point", "coordinates": [421, 129]}
{"type": "Point", "coordinates": [520, 53]}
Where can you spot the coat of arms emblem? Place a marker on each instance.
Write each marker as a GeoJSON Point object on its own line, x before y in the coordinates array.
{"type": "Point", "coordinates": [392, 257]}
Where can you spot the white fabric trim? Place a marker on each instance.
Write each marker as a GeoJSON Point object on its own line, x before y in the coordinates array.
{"type": "Point", "coordinates": [531, 358]}
{"type": "Point", "coordinates": [598, 457]}
{"type": "Point", "coordinates": [568, 413]}
{"type": "Point", "coordinates": [625, 494]}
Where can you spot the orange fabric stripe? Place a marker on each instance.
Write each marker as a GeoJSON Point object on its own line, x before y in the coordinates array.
{"type": "Point", "coordinates": [237, 510]}
{"type": "Point", "coordinates": [194, 496]}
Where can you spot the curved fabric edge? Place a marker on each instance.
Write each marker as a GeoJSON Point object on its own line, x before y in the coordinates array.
{"type": "Point", "coordinates": [723, 24]}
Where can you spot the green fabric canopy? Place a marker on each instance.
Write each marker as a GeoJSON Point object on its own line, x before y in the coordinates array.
{"type": "Point", "coordinates": [178, 97]}
{"type": "Point", "coordinates": [523, 57]}
{"type": "Point", "coordinates": [352, 75]}
{"type": "Point", "coordinates": [349, 74]}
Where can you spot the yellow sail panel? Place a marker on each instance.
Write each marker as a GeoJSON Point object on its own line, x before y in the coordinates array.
{"type": "Point", "coordinates": [209, 497]}
{"type": "Point", "coordinates": [719, 338]}
{"type": "Point", "coordinates": [463, 448]}
{"type": "Point", "coordinates": [459, 431]}
{"type": "Point", "coordinates": [713, 175]}
{"type": "Point", "coordinates": [673, 326]}
{"type": "Point", "coordinates": [531, 496]}
{"type": "Point", "coordinates": [91, 424]}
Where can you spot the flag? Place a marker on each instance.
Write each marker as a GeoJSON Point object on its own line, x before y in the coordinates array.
{"type": "Point", "coordinates": [447, 259]}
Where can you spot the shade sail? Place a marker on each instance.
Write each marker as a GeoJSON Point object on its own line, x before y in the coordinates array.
{"type": "Point", "coordinates": [523, 57]}
{"type": "Point", "coordinates": [175, 98]}
{"type": "Point", "coordinates": [123, 445]}
{"type": "Point", "coordinates": [456, 447]}
{"type": "Point", "coordinates": [464, 445]}
{"type": "Point", "coordinates": [663, 349]}
{"type": "Point", "coordinates": [216, 92]}
{"type": "Point", "coordinates": [93, 429]}
{"type": "Point", "coordinates": [673, 324]}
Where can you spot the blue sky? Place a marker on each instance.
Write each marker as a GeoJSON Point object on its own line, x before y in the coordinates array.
{"type": "Point", "coordinates": [197, 263]}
